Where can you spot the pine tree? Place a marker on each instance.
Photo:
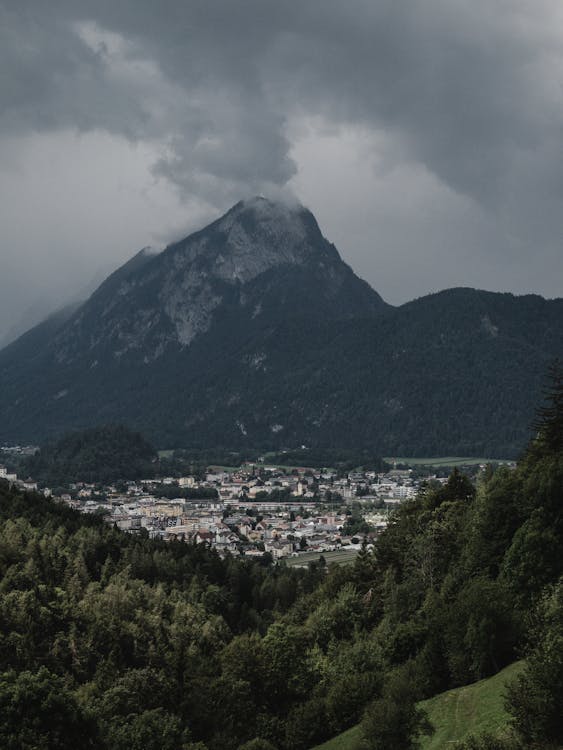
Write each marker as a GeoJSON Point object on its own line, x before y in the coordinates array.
{"type": "Point", "coordinates": [549, 420]}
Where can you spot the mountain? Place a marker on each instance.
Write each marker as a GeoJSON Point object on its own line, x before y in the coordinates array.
{"type": "Point", "coordinates": [260, 261]}
{"type": "Point", "coordinates": [45, 307]}
{"type": "Point", "coordinates": [253, 331]}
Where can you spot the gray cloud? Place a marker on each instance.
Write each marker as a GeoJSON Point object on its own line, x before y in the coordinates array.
{"type": "Point", "coordinates": [472, 88]}
{"type": "Point", "coordinates": [468, 92]}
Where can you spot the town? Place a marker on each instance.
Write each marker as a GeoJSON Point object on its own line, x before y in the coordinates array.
{"type": "Point", "coordinates": [253, 510]}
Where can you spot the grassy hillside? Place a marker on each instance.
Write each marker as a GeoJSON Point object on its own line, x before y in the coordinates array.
{"type": "Point", "coordinates": [455, 714]}
{"type": "Point", "coordinates": [473, 709]}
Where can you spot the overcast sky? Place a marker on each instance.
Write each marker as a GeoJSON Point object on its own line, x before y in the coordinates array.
{"type": "Point", "coordinates": [425, 135]}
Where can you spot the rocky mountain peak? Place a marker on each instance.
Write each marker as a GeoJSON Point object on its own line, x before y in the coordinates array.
{"type": "Point", "coordinates": [254, 236]}
{"type": "Point", "coordinates": [261, 261]}
{"type": "Point", "coordinates": [267, 216]}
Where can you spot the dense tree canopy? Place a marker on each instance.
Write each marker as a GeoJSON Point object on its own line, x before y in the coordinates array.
{"type": "Point", "coordinates": [113, 641]}
{"type": "Point", "coordinates": [101, 454]}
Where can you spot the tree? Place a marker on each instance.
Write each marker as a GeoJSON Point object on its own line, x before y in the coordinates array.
{"type": "Point", "coordinates": [38, 712]}
{"type": "Point", "coordinates": [458, 487]}
{"type": "Point", "coordinates": [393, 721]}
{"type": "Point", "coordinates": [307, 725]}
{"type": "Point", "coordinates": [156, 729]}
{"type": "Point", "coordinates": [365, 568]}
{"type": "Point", "coordinates": [549, 418]}
{"type": "Point", "coordinates": [481, 631]}
{"type": "Point", "coordinates": [535, 699]}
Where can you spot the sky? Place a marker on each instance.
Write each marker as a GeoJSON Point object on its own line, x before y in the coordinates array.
{"type": "Point", "coordinates": [425, 135]}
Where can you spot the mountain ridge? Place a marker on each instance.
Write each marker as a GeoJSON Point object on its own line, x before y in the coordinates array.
{"type": "Point", "coordinates": [171, 298]}
{"type": "Point", "coordinates": [253, 331]}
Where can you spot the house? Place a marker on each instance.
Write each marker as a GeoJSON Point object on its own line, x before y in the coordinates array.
{"type": "Point", "coordinates": [129, 522]}
{"type": "Point", "coordinates": [203, 536]}
{"type": "Point", "coordinates": [28, 484]}
{"type": "Point", "coordinates": [279, 549]}
{"type": "Point", "coordinates": [226, 542]}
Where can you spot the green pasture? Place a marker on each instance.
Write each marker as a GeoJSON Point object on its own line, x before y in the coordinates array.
{"type": "Point", "coordinates": [455, 714]}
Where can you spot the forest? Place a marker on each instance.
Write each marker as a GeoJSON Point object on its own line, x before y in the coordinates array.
{"type": "Point", "coordinates": [99, 454]}
{"type": "Point", "coordinates": [115, 642]}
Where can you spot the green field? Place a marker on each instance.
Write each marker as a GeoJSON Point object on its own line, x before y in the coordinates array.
{"type": "Point", "coordinates": [456, 714]}
{"type": "Point", "coordinates": [440, 461]}
{"type": "Point", "coordinates": [443, 461]}
{"type": "Point", "coordinates": [342, 557]}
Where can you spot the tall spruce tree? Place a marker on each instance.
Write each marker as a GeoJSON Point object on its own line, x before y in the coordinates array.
{"type": "Point", "coordinates": [549, 420]}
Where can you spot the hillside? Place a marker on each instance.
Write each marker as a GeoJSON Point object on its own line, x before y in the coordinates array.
{"type": "Point", "coordinates": [253, 333]}
{"type": "Point", "coordinates": [455, 714]}
{"type": "Point", "coordinates": [101, 454]}
{"type": "Point", "coordinates": [472, 710]}
{"type": "Point", "coordinates": [114, 641]}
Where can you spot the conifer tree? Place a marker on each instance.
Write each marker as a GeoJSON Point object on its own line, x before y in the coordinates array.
{"type": "Point", "coordinates": [549, 420]}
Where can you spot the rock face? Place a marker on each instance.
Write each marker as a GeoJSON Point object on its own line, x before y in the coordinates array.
{"type": "Point", "coordinates": [253, 331]}
{"type": "Point", "coordinates": [154, 303]}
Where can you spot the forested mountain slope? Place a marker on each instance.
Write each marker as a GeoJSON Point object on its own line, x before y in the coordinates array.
{"type": "Point", "coordinates": [254, 333]}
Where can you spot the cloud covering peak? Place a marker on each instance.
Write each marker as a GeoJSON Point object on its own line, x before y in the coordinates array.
{"type": "Point", "coordinates": [469, 89]}
{"type": "Point", "coordinates": [452, 104]}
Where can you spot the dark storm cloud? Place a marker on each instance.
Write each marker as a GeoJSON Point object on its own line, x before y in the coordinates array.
{"type": "Point", "coordinates": [146, 72]}
{"type": "Point", "coordinates": [463, 99]}
{"type": "Point", "coordinates": [473, 89]}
